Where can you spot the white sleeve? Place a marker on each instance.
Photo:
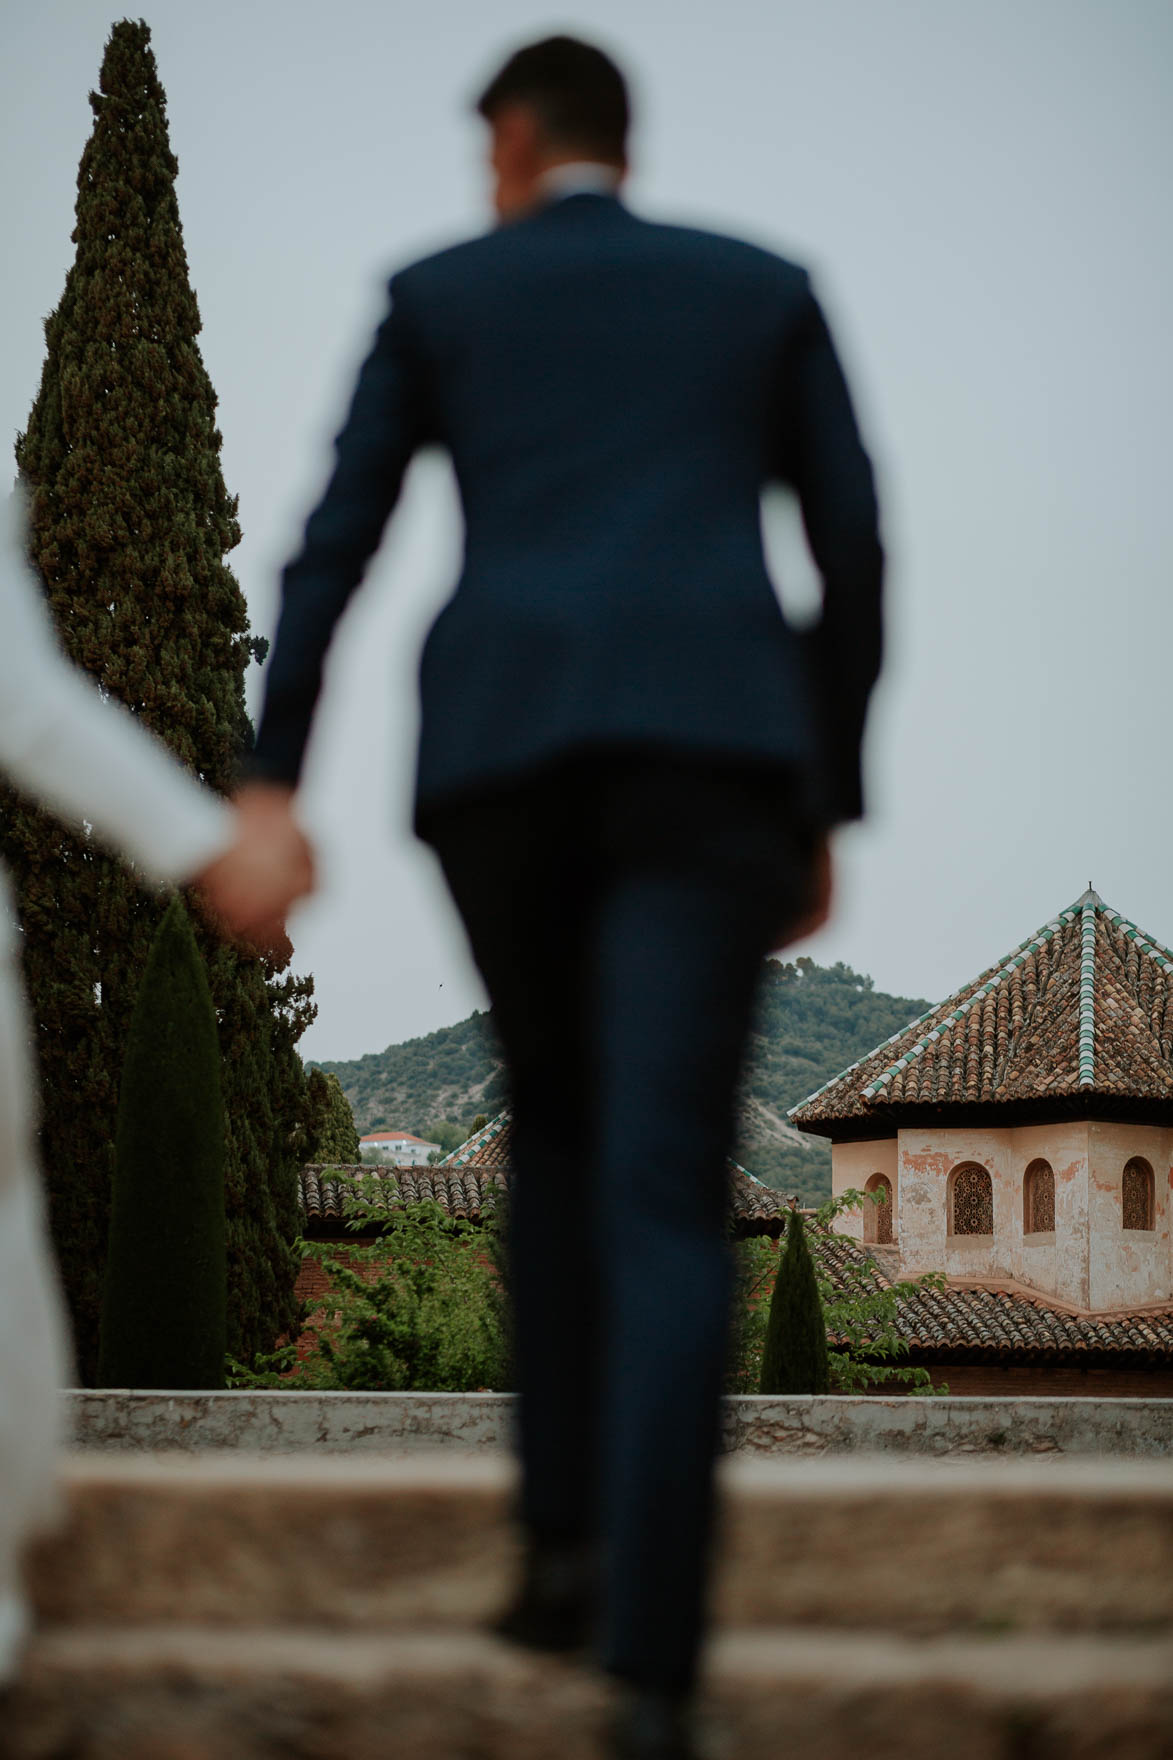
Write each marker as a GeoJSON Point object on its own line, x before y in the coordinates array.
{"type": "Point", "coordinates": [84, 756]}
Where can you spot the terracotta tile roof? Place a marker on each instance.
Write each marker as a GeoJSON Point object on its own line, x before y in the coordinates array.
{"type": "Point", "coordinates": [488, 1147]}
{"type": "Point", "coordinates": [466, 1193]}
{"type": "Point", "coordinates": [755, 1208]}
{"type": "Point", "coordinates": [463, 1183]}
{"type": "Point", "coordinates": [1081, 1012]}
{"type": "Point", "coordinates": [966, 1324]}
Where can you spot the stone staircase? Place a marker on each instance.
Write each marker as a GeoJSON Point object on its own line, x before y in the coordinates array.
{"type": "Point", "coordinates": [227, 1607]}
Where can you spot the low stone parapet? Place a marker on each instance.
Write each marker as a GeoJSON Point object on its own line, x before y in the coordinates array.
{"type": "Point", "coordinates": [402, 1423]}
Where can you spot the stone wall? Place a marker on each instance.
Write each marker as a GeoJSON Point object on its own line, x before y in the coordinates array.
{"type": "Point", "coordinates": [402, 1423]}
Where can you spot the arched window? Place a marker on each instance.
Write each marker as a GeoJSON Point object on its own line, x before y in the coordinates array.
{"type": "Point", "coordinates": [971, 1200]}
{"type": "Point", "coordinates": [1136, 1194]}
{"type": "Point", "coordinates": [878, 1222]}
{"type": "Point", "coordinates": [1038, 1199]}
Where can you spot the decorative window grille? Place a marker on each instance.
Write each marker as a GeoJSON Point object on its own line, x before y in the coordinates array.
{"type": "Point", "coordinates": [878, 1218]}
{"type": "Point", "coordinates": [971, 1205]}
{"type": "Point", "coordinates": [1136, 1194]}
{"type": "Point", "coordinates": [1038, 1199]}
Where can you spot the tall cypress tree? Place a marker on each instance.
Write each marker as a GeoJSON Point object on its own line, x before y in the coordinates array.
{"type": "Point", "coordinates": [164, 1305]}
{"type": "Point", "coordinates": [794, 1358]}
{"type": "Point", "coordinates": [130, 521]}
{"type": "Point", "coordinates": [331, 1135]}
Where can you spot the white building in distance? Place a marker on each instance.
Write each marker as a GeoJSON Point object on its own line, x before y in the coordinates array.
{"type": "Point", "coordinates": [399, 1147]}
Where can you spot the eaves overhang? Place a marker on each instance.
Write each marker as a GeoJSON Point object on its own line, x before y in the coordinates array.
{"type": "Point", "coordinates": [888, 1121]}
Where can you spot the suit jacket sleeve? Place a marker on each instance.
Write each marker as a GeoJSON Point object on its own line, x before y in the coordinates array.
{"type": "Point", "coordinates": [382, 430]}
{"type": "Point", "coordinates": [823, 456]}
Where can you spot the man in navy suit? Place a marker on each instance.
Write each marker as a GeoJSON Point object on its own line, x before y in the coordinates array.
{"type": "Point", "coordinates": [628, 766]}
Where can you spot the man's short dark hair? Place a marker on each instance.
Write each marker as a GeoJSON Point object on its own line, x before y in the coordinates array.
{"type": "Point", "coordinates": [578, 93]}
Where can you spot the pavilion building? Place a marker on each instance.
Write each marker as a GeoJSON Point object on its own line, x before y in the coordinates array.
{"type": "Point", "coordinates": [1021, 1132]}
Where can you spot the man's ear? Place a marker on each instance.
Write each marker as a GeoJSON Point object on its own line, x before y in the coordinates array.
{"type": "Point", "coordinates": [517, 136]}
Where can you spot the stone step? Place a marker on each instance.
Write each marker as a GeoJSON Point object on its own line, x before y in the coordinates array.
{"type": "Point", "coordinates": [191, 1693]}
{"type": "Point", "coordinates": [426, 1542]}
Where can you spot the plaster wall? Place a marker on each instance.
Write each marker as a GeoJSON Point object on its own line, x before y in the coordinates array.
{"type": "Point", "coordinates": [1089, 1260]}
{"type": "Point", "coordinates": [852, 1165]}
{"type": "Point", "coordinates": [926, 1159]}
{"type": "Point", "coordinates": [1129, 1267]}
{"type": "Point", "coordinates": [1055, 1264]}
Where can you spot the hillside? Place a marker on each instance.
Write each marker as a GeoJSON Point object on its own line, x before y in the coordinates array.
{"type": "Point", "coordinates": [812, 1021]}
{"type": "Point", "coordinates": [451, 1074]}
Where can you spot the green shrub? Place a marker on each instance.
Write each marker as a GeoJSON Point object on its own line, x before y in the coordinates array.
{"type": "Point", "coordinates": [861, 1315]}
{"type": "Point", "coordinates": [418, 1310]}
{"type": "Point", "coordinates": [755, 1268]}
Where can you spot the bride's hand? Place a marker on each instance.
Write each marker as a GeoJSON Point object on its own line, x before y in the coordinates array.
{"type": "Point", "coordinates": [252, 886]}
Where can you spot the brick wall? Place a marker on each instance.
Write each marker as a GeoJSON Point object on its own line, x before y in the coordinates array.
{"type": "Point", "coordinates": [313, 1281]}
{"type": "Point", "coordinates": [1043, 1381]}
{"type": "Point", "coordinates": [313, 1285]}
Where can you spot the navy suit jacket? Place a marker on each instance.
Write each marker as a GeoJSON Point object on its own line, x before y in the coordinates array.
{"type": "Point", "coordinates": [614, 395]}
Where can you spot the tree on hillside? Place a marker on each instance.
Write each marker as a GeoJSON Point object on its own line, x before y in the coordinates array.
{"type": "Point", "coordinates": [165, 1302]}
{"type": "Point", "coordinates": [794, 1359]}
{"type": "Point", "coordinates": [447, 1133]}
{"type": "Point", "coordinates": [130, 521]}
{"type": "Point", "coordinates": [812, 1021]}
{"type": "Point", "coordinates": [330, 1132]}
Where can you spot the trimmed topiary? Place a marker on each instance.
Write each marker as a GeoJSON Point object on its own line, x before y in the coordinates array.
{"type": "Point", "coordinates": [794, 1359]}
{"type": "Point", "coordinates": [164, 1308]}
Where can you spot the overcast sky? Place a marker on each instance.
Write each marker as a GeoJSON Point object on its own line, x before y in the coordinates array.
{"type": "Point", "coordinates": [982, 191]}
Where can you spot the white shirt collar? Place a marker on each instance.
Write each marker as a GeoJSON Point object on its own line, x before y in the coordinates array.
{"type": "Point", "coordinates": [581, 177]}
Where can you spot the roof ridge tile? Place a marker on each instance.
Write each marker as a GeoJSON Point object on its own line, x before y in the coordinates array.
{"type": "Point", "coordinates": [466, 1150]}
{"type": "Point", "coordinates": [1087, 992]}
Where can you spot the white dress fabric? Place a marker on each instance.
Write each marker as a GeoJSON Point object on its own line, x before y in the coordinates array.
{"type": "Point", "coordinates": [88, 760]}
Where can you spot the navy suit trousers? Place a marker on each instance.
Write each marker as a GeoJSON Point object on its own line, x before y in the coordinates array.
{"type": "Point", "coordinates": [619, 907]}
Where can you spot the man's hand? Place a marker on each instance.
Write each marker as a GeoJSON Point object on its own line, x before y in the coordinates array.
{"type": "Point", "coordinates": [817, 909]}
{"type": "Point", "coordinates": [251, 887]}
